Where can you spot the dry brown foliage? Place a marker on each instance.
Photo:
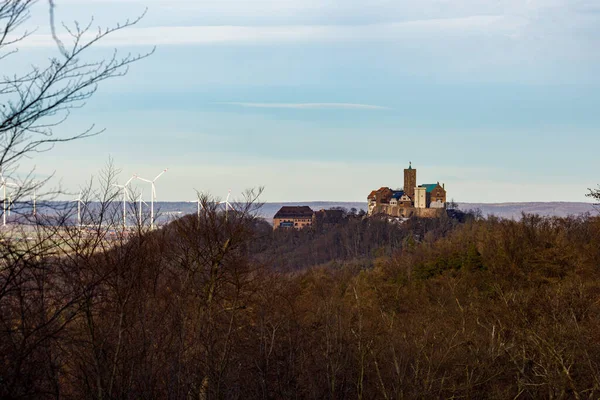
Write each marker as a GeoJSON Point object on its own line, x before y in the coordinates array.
{"type": "Point", "coordinates": [484, 309]}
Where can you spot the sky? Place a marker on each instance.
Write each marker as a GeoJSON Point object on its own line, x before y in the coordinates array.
{"type": "Point", "coordinates": [329, 99]}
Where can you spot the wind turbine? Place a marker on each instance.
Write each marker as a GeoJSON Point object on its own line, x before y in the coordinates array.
{"type": "Point", "coordinates": [199, 202]}
{"type": "Point", "coordinates": [4, 185]}
{"type": "Point", "coordinates": [10, 196]}
{"type": "Point", "coordinates": [3, 201]}
{"type": "Point", "coordinates": [79, 203]}
{"type": "Point", "coordinates": [140, 209]}
{"type": "Point", "coordinates": [124, 187]}
{"type": "Point", "coordinates": [3, 181]}
{"type": "Point", "coordinates": [227, 204]}
{"type": "Point", "coordinates": [34, 197]}
{"type": "Point", "coordinates": [153, 197]}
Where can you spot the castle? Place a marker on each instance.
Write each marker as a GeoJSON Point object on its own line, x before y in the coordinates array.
{"type": "Point", "coordinates": [300, 217]}
{"type": "Point", "coordinates": [428, 200]}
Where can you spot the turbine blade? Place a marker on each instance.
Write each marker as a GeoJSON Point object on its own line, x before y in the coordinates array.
{"type": "Point", "coordinates": [159, 175]}
{"type": "Point", "coordinates": [129, 181]}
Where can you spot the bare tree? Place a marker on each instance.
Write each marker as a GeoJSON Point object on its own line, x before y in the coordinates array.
{"type": "Point", "coordinates": [34, 102]}
{"type": "Point", "coordinates": [594, 194]}
{"type": "Point", "coordinates": [38, 265]}
{"type": "Point", "coordinates": [452, 205]}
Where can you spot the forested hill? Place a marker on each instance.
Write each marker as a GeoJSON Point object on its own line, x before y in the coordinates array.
{"type": "Point", "coordinates": [220, 306]}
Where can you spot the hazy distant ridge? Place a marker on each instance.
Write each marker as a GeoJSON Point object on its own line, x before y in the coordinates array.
{"type": "Point", "coordinates": [514, 210]}
{"type": "Point", "coordinates": [505, 210]}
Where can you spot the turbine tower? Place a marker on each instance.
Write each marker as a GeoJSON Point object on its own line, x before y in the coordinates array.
{"type": "Point", "coordinates": [227, 204]}
{"type": "Point", "coordinates": [11, 195]}
{"type": "Point", "coordinates": [4, 184]}
{"type": "Point", "coordinates": [124, 188]}
{"type": "Point", "coordinates": [199, 202]}
{"type": "Point", "coordinates": [34, 198]}
{"type": "Point", "coordinates": [153, 194]}
{"type": "Point", "coordinates": [140, 209]}
{"type": "Point", "coordinates": [79, 203]}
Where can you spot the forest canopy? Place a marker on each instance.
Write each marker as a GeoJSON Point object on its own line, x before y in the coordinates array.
{"type": "Point", "coordinates": [218, 305]}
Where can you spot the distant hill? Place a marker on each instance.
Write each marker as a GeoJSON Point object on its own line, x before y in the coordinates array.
{"type": "Point", "coordinates": [514, 210]}
{"type": "Point", "coordinates": [167, 211]}
{"type": "Point", "coordinates": [504, 210]}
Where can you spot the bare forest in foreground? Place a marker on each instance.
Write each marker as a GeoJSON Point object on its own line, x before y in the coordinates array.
{"type": "Point", "coordinates": [220, 306]}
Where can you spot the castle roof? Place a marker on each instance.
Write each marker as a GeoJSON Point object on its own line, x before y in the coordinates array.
{"type": "Point", "coordinates": [430, 186]}
{"type": "Point", "coordinates": [294, 212]}
{"type": "Point", "coordinates": [381, 190]}
{"type": "Point", "coordinates": [398, 194]}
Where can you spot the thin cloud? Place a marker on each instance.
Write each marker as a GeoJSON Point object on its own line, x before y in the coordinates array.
{"type": "Point", "coordinates": [198, 35]}
{"type": "Point", "coordinates": [309, 106]}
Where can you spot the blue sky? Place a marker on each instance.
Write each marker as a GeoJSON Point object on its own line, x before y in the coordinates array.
{"type": "Point", "coordinates": [326, 100]}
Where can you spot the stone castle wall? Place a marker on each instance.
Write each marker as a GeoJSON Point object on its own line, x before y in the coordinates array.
{"type": "Point", "coordinates": [398, 211]}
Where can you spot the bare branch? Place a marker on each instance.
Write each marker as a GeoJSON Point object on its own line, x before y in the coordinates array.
{"type": "Point", "coordinates": [59, 43]}
{"type": "Point", "coordinates": [34, 103]}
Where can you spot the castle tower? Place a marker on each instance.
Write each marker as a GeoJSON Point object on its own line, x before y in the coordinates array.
{"type": "Point", "coordinates": [410, 181]}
